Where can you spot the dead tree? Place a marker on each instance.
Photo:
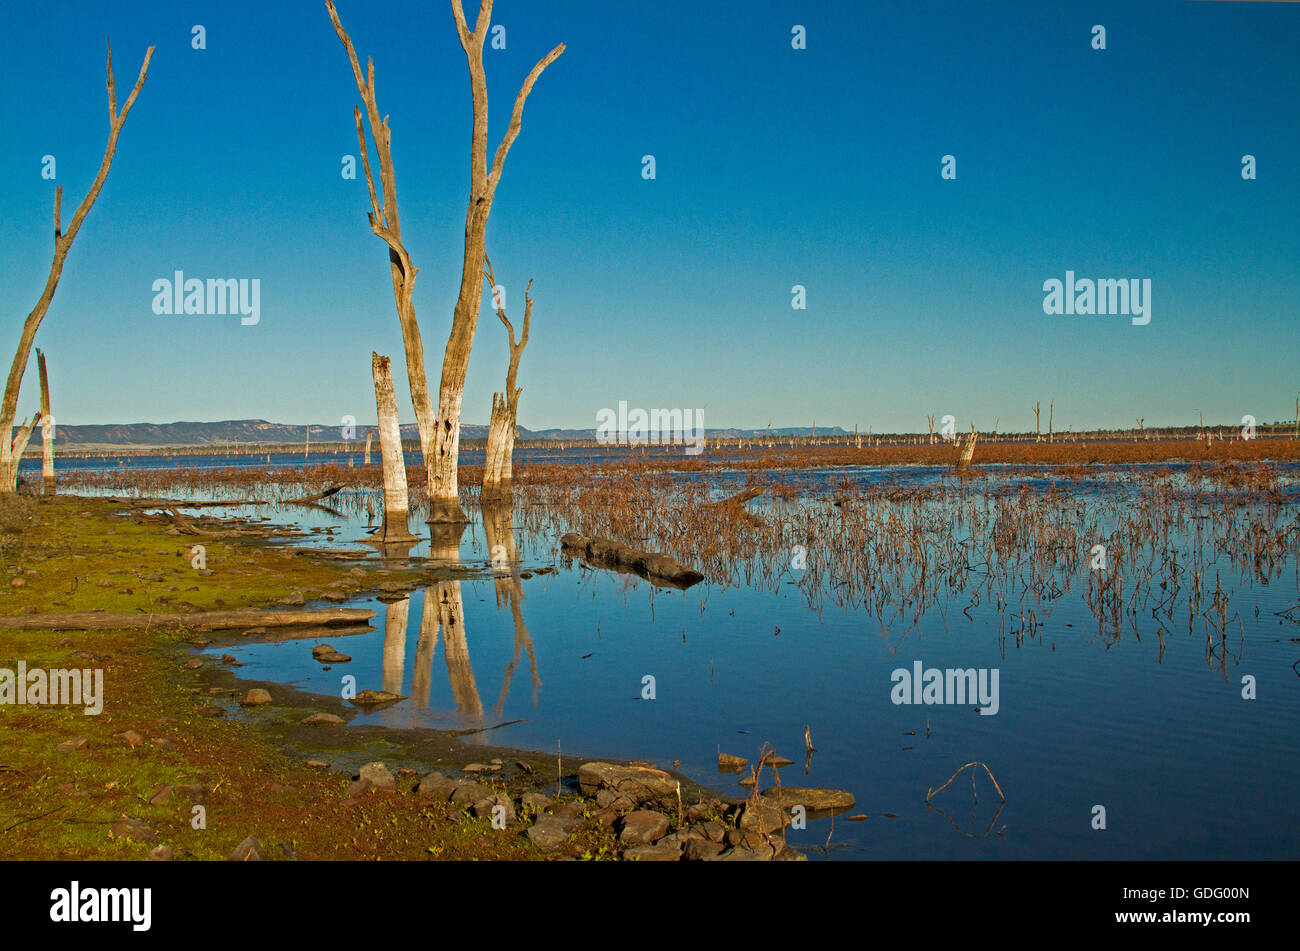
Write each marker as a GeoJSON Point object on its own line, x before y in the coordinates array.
{"type": "Point", "coordinates": [966, 450]}
{"type": "Point", "coordinates": [1051, 410]}
{"type": "Point", "coordinates": [12, 446]}
{"type": "Point", "coordinates": [444, 503]}
{"type": "Point", "coordinates": [1038, 431]}
{"type": "Point", "coordinates": [396, 504]}
{"type": "Point", "coordinates": [384, 223]}
{"type": "Point", "coordinates": [498, 465]}
{"type": "Point", "coordinates": [47, 427]}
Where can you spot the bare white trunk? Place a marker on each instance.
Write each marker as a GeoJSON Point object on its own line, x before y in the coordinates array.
{"type": "Point", "coordinates": [396, 503]}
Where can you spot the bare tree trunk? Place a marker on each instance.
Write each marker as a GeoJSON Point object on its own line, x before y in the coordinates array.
{"type": "Point", "coordinates": [497, 466]}
{"type": "Point", "coordinates": [47, 427]}
{"type": "Point", "coordinates": [444, 500]}
{"type": "Point", "coordinates": [1051, 411]}
{"type": "Point", "coordinates": [396, 503]}
{"type": "Point", "coordinates": [12, 446]}
{"type": "Point", "coordinates": [967, 451]}
{"type": "Point", "coordinates": [1038, 432]}
{"type": "Point", "coordinates": [369, 434]}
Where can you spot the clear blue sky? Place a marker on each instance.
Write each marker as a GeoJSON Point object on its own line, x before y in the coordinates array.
{"type": "Point", "coordinates": [775, 167]}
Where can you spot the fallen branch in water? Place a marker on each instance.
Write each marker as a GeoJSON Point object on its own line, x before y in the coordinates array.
{"type": "Point", "coordinates": [935, 792]}
{"type": "Point", "coordinates": [211, 620]}
{"type": "Point", "coordinates": [651, 565]}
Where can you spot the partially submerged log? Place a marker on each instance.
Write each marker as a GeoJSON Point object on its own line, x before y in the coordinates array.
{"type": "Point", "coordinates": [209, 620]}
{"type": "Point", "coordinates": [659, 568]}
{"type": "Point", "coordinates": [740, 498]}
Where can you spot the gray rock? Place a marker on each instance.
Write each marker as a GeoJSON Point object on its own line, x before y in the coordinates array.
{"type": "Point", "coordinates": [731, 764]}
{"type": "Point", "coordinates": [537, 802]}
{"type": "Point", "coordinates": [638, 783]}
{"type": "Point", "coordinates": [468, 792]}
{"type": "Point", "coordinates": [250, 850]}
{"type": "Point", "coordinates": [484, 807]}
{"type": "Point", "coordinates": [323, 719]}
{"type": "Point", "coordinates": [548, 834]}
{"type": "Point", "coordinates": [663, 851]}
{"type": "Point", "coordinates": [643, 827]}
{"type": "Point", "coordinates": [125, 828]}
{"type": "Point", "coordinates": [699, 850]}
{"type": "Point", "coordinates": [71, 746]}
{"type": "Point", "coordinates": [814, 799]}
{"type": "Point", "coordinates": [437, 786]}
{"type": "Point", "coordinates": [378, 776]}
{"type": "Point", "coordinates": [763, 815]}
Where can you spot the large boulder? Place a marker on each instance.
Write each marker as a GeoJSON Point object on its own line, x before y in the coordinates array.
{"type": "Point", "coordinates": [643, 827]}
{"type": "Point", "coordinates": [636, 783]}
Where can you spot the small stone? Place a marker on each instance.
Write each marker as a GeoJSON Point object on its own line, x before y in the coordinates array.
{"type": "Point", "coordinates": [161, 742]}
{"type": "Point", "coordinates": [323, 719]}
{"type": "Point", "coordinates": [294, 599]}
{"type": "Point", "coordinates": [125, 828]}
{"type": "Point", "coordinates": [161, 853]}
{"type": "Point", "coordinates": [731, 764]}
{"type": "Point", "coordinates": [131, 738]}
{"type": "Point", "coordinates": [194, 664]}
{"type": "Point", "coordinates": [255, 698]}
{"type": "Point", "coordinates": [71, 746]}
{"type": "Point", "coordinates": [317, 764]}
{"type": "Point", "coordinates": [250, 850]}
{"type": "Point", "coordinates": [161, 797]}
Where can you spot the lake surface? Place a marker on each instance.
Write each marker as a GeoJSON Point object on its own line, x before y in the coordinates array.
{"type": "Point", "coordinates": [1137, 708]}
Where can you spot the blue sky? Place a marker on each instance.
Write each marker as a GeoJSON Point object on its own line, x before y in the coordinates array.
{"type": "Point", "coordinates": [775, 167]}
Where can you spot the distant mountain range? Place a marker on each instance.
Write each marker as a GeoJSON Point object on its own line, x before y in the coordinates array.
{"type": "Point", "coordinates": [249, 432]}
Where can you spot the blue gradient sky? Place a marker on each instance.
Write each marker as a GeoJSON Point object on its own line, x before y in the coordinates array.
{"type": "Point", "coordinates": [775, 168]}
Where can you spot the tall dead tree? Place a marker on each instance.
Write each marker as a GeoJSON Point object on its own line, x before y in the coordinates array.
{"type": "Point", "coordinates": [498, 465]}
{"type": "Point", "coordinates": [385, 224]}
{"type": "Point", "coordinates": [1051, 411]}
{"type": "Point", "coordinates": [444, 500]}
{"type": "Point", "coordinates": [396, 503]}
{"type": "Point", "coordinates": [440, 434]}
{"type": "Point", "coordinates": [47, 427]}
{"type": "Point", "coordinates": [1038, 432]}
{"type": "Point", "coordinates": [12, 446]}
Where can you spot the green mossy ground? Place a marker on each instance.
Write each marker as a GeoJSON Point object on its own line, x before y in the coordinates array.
{"type": "Point", "coordinates": [80, 554]}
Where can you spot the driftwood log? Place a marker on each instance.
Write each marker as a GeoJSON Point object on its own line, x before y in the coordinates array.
{"type": "Point", "coordinates": [210, 620]}
{"type": "Point", "coordinates": [740, 498]}
{"type": "Point", "coordinates": [652, 566]}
